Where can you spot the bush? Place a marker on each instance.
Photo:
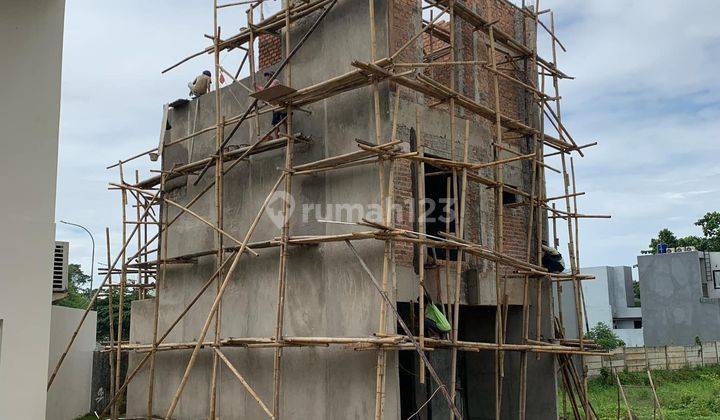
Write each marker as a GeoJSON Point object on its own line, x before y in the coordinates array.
{"type": "Point", "coordinates": [604, 336]}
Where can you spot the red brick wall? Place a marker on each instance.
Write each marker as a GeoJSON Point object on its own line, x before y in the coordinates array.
{"type": "Point", "coordinates": [404, 215]}
{"type": "Point", "coordinates": [269, 50]}
{"type": "Point", "coordinates": [432, 44]}
{"type": "Point", "coordinates": [470, 79]}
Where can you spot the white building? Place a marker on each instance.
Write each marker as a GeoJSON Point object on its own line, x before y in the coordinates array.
{"type": "Point", "coordinates": [609, 299]}
{"type": "Point", "coordinates": [31, 51]}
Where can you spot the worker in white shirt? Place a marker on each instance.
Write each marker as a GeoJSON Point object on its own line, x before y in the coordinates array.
{"type": "Point", "coordinates": [201, 84]}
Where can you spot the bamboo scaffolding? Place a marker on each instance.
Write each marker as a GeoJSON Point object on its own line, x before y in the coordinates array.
{"type": "Point", "coordinates": [216, 302]}
{"type": "Point", "coordinates": [155, 347]}
{"type": "Point", "coordinates": [383, 152]}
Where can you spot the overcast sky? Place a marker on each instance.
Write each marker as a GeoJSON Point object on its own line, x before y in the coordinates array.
{"type": "Point", "coordinates": [646, 88]}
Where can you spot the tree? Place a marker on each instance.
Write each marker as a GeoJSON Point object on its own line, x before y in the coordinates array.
{"type": "Point", "coordinates": [77, 294]}
{"type": "Point", "coordinates": [604, 336]}
{"type": "Point", "coordinates": [103, 315]}
{"type": "Point", "coordinates": [710, 224]}
{"type": "Point", "coordinates": [636, 292]}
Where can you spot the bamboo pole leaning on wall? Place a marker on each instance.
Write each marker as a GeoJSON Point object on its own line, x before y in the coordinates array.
{"type": "Point", "coordinates": [372, 74]}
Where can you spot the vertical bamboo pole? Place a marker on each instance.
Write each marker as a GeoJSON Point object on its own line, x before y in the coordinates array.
{"type": "Point", "coordinates": [539, 208]}
{"type": "Point", "coordinates": [381, 356]}
{"type": "Point", "coordinates": [460, 232]}
{"type": "Point", "coordinates": [219, 167]}
{"type": "Point", "coordinates": [282, 270]}
{"type": "Point", "coordinates": [530, 69]}
{"type": "Point", "coordinates": [121, 298]}
{"type": "Point", "coordinates": [420, 176]}
{"type": "Point", "coordinates": [456, 295]}
{"type": "Point", "coordinates": [145, 239]}
{"type": "Point", "coordinates": [159, 282]}
{"type": "Point", "coordinates": [556, 242]}
{"type": "Point", "coordinates": [499, 234]}
{"type": "Point", "coordinates": [575, 211]}
{"type": "Point", "coordinates": [251, 58]}
{"type": "Point", "coordinates": [570, 219]}
{"type": "Point", "coordinates": [448, 217]}
{"type": "Point", "coordinates": [113, 413]}
{"type": "Point", "coordinates": [388, 258]}
{"type": "Point", "coordinates": [141, 291]}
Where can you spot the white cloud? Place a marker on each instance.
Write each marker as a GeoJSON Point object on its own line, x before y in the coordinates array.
{"type": "Point", "coordinates": [646, 88]}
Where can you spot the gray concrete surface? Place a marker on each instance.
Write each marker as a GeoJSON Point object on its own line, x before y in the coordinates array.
{"type": "Point", "coordinates": [674, 310]}
{"type": "Point", "coordinates": [328, 294]}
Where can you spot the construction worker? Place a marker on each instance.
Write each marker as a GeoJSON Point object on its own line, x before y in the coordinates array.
{"type": "Point", "coordinates": [552, 259]}
{"type": "Point", "coordinates": [201, 84]}
{"type": "Point", "coordinates": [435, 321]}
{"type": "Point", "coordinates": [278, 115]}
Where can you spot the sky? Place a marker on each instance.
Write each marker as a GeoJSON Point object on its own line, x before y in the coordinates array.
{"type": "Point", "coordinates": [645, 87]}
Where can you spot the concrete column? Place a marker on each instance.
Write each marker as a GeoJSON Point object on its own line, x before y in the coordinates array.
{"type": "Point", "coordinates": [31, 54]}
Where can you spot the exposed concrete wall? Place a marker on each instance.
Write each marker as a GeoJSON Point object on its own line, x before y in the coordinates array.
{"type": "Point", "coordinates": [31, 51]}
{"type": "Point", "coordinates": [674, 311]}
{"type": "Point", "coordinates": [317, 383]}
{"type": "Point", "coordinates": [328, 294]}
{"type": "Point", "coordinates": [70, 396]}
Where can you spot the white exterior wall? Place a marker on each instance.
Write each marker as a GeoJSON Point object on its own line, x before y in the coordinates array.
{"type": "Point", "coordinates": [69, 396]}
{"type": "Point", "coordinates": [31, 51]}
{"type": "Point", "coordinates": [597, 297]}
{"type": "Point", "coordinates": [605, 300]}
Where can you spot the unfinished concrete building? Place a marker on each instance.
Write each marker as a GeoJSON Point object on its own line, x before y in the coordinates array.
{"type": "Point", "coordinates": [290, 265]}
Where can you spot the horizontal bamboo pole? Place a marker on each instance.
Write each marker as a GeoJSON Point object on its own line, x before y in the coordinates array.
{"type": "Point", "coordinates": [402, 342]}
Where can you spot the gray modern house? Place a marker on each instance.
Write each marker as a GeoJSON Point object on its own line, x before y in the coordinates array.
{"type": "Point", "coordinates": [680, 294]}
{"type": "Point", "coordinates": [609, 299]}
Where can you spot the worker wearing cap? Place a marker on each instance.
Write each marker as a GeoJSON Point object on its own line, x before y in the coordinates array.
{"type": "Point", "coordinates": [201, 84]}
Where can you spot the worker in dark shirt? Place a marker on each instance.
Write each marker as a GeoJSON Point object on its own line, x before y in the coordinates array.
{"type": "Point", "coordinates": [278, 115]}
{"type": "Point", "coordinates": [552, 259]}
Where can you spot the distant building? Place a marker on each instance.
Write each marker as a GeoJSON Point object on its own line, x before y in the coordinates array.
{"type": "Point", "coordinates": [680, 294]}
{"type": "Point", "coordinates": [609, 299]}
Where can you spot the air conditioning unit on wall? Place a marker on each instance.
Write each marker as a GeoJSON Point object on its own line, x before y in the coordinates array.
{"type": "Point", "coordinates": [60, 267]}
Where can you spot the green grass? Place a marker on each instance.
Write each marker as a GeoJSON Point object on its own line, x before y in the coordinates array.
{"type": "Point", "coordinates": [689, 393]}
